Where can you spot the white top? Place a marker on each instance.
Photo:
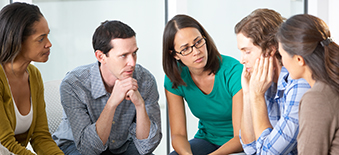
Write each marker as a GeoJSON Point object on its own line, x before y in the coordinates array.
{"type": "Point", "coordinates": [23, 122]}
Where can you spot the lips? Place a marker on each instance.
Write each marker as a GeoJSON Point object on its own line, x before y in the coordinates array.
{"type": "Point", "coordinates": [47, 53]}
{"type": "Point", "coordinates": [199, 59]}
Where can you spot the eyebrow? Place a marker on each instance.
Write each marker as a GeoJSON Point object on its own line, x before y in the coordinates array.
{"type": "Point", "coordinates": [43, 35]}
{"type": "Point", "coordinates": [193, 41]}
{"type": "Point", "coordinates": [245, 48]}
{"type": "Point", "coordinates": [129, 52]}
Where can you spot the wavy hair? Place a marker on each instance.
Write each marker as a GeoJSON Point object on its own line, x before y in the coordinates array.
{"type": "Point", "coordinates": [261, 26]}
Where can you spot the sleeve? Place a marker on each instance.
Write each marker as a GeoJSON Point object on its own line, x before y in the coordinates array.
{"type": "Point", "coordinates": [168, 86]}
{"type": "Point", "coordinates": [41, 139]}
{"type": "Point", "coordinates": [234, 78]}
{"type": "Point", "coordinates": [282, 139]}
{"type": "Point", "coordinates": [146, 146]}
{"type": "Point", "coordinates": [84, 132]}
{"type": "Point", "coordinates": [248, 148]}
{"type": "Point", "coordinates": [316, 118]}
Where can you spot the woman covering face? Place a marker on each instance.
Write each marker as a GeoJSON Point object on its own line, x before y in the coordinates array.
{"type": "Point", "coordinates": [208, 82]}
{"type": "Point", "coordinates": [308, 52]}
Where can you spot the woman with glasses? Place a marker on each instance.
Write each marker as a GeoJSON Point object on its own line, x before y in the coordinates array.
{"type": "Point", "coordinates": [308, 52]}
{"type": "Point", "coordinates": [23, 39]}
{"type": "Point", "coordinates": [209, 83]}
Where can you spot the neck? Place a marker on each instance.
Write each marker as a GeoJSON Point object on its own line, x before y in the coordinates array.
{"type": "Point", "coordinates": [16, 68]}
{"type": "Point", "coordinates": [199, 72]}
{"type": "Point", "coordinates": [107, 78]}
{"type": "Point", "coordinates": [308, 77]}
{"type": "Point", "coordinates": [277, 68]}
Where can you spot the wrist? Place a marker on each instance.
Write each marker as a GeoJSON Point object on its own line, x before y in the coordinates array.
{"type": "Point", "coordinates": [140, 106]}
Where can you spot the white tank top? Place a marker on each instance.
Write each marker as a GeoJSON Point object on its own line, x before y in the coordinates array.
{"type": "Point", "coordinates": [23, 123]}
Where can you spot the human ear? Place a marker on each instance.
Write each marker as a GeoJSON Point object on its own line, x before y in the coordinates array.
{"type": "Point", "coordinates": [273, 50]}
{"type": "Point", "coordinates": [100, 56]}
{"type": "Point", "coordinates": [175, 56]}
{"type": "Point", "coordinates": [300, 60]}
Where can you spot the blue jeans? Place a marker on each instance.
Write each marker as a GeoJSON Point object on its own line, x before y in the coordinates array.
{"type": "Point", "coordinates": [70, 149]}
{"type": "Point", "coordinates": [200, 147]}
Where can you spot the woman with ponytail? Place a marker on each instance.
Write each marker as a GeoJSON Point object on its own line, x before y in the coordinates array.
{"type": "Point", "coordinates": [308, 52]}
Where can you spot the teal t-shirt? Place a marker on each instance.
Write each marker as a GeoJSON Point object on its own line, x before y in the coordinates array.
{"type": "Point", "coordinates": [214, 110]}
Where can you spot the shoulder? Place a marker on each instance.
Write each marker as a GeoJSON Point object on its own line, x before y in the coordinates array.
{"type": "Point", "coordinates": [229, 63]}
{"type": "Point", "coordinates": [144, 77]}
{"type": "Point", "coordinates": [318, 103]}
{"type": "Point", "coordinates": [230, 68]}
{"type": "Point", "coordinates": [288, 83]}
{"type": "Point", "coordinates": [33, 70]}
{"type": "Point", "coordinates": [143, 74]}
{"type": "Point", "coordinates": [227, 60]}
{"type": "Point", "coordinates": [80, 77]}
{"type": "Point", "coordinates": [320, 94]}
{"type": "Point", "coordinates": [80, 72]}
{"type": "Point", "coordinates": [34, 74]}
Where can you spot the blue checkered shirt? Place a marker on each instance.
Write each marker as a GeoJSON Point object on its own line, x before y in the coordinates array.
{"type": "Point", "coordinates": [282, 106]}
{"type": "Point", "coordinates": [83, 97]}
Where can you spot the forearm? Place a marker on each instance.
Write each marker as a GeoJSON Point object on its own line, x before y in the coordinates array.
{"type": "Point", "coordinates": [247, 132]}
{"type": "Point", "coordinates": [143, 122]}
{"type": "Point", "coordinates": [259, 114]}
{"type": "Point", "coordinates": [232, 146]}
{"type": "Point", "coordinates": [104, 123]}
{"type": "Point", "coordinates": [181, 145]}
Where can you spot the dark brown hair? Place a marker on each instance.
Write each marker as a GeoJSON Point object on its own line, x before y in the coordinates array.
{"type": "Point", "coordinates": [303, 35]}
{"type": "Point", "coordinates": [107, 31]}
{"type": "Point", "coordinates": [16, 24]}
{"type": "Point", "coordinates": [261, 26]}
{"type": "Point", "coordinates": [171, 66]}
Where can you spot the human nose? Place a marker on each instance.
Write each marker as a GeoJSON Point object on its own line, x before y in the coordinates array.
{"type": "Point", "coordinates": [48, 44]}
{"type": "Point", "coordinates": [132, 61]}
{"type": "Point", "coordinates": [196, 49]}
{"type": "Point", "coordinates": [242, 59]}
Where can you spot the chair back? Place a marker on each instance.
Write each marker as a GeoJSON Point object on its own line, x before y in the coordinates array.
{"type": "Point", "coordinates": [53, 104]}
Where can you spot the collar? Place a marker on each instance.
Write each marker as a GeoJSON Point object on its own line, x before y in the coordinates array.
{"type": "Point", "coordinates": [97, 84]}
{"type": "Point", "coordinates": [284, 79]}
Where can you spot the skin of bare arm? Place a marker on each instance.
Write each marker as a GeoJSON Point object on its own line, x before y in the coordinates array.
{"type": "Point", "coordinates": [233, 145]}
{"type": "Point", "coordinates": [260, 81]}
{"type": "Point", "coordinates": [177, 118]}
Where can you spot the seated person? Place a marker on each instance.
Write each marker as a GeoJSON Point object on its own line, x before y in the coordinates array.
{"type": "Point", "coordinates": [208, 81]}
{"type": "Point", "coordinates": [111, 105]}
{"type": "Point", "coordinates": [24, 38]}
{"type": "Point", "coordinates": [309, 52]}
{"type": "Point", "coordinates": [4, 150]}
{"type": "Point", "coordinates": [271, 98]}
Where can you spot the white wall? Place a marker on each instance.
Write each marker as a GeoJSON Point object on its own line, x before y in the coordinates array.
{"type": "Point", "coordinates": [219, 18]}
{"type": "Point", "coordinates": [72, 23]}
{"type": "Point", "coordinates": [328, 11]}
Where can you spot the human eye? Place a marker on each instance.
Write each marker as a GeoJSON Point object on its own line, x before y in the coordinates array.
{"type": "Point", "coordinates": [42, 39]}
{"type": "Point", "coordinates": [198, 42]}
{"type": "Point", "coordinates": [135, 53]}
{"type": "Point", "coordinates": [184, 49]}
{"type": "Point", "coordinates": [123, 55]}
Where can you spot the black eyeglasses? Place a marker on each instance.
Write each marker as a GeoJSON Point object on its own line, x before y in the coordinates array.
{"type": "Point", "coordinates": [188, 50]}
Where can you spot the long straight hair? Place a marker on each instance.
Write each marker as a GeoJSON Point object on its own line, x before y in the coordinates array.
{"type": "Point", "coordinates": [304, 35]}
{"type": "Point", "coordinates": [170, 64]}
{"type": "Point", "coordinates": [16, 24]}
